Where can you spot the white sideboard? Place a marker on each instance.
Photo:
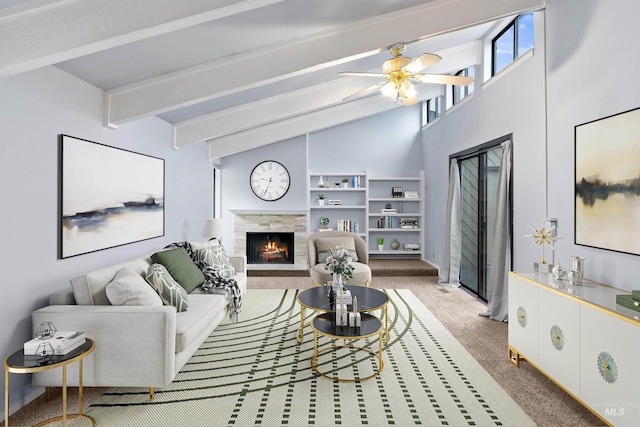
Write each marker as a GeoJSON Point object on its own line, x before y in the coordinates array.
{"type": "Point", "coordinates": [581, 339]}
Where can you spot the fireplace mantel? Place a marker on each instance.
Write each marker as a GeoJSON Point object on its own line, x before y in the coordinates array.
{"type": "Point", "coordinates": [269, 211]}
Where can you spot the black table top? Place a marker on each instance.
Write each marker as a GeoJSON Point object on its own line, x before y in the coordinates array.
{"type": "Point", "coordinates": [19, 362]}
{"type": "Point", "coordinates": [325, 323]}
{"type": "Point", "coordinates": [368, 298]}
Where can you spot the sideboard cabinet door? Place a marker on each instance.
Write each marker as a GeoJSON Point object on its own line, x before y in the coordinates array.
{"type": "Point", "coordinates": [523, 318]}
{"type": "Point", "coordinates": [610, 366]}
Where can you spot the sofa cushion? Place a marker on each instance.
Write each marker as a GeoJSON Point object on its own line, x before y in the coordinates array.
{"type": "Point", "coordinates": [169, 290]}
{"type": "Point", "coordinates": [181, 267]}
{"type": "Point", "coordinates": [203, 310]}
{"type": "Point", "coordinates": [325, 244]}
{"type": "Point", "coordinates": [91, 288]}
{"type": "Point", "coordinates": [129, 288]}
{"type": "Point", "coordinates": [216, 257]}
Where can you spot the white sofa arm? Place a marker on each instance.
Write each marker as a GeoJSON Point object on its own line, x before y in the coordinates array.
{"type": "Point", "coordinates": [135, 345]}
{"type": "Point", "coordinates": [238, 262]}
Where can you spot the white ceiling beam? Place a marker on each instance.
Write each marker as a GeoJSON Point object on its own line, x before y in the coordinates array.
{"type": "Point", "coordinates": [307, 123]}
{"type": "Point", "coordinates": [231, 75]}
{"type": "Point", "coordinates": [303, 101]}
{"type": "Point", "coordinates": [40, 33]}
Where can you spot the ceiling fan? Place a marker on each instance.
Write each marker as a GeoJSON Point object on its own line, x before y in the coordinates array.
{"type": "Point", "coordinates": [399, 73]}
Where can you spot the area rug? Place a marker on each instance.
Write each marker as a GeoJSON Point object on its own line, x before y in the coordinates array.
{"type": "Point", "coordinates": [255, 373]}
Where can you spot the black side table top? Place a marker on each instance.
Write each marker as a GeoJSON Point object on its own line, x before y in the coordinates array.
{"type": "Point", "coordinates": [369, 299]}
{"type": "Point", "coordinates": [17, 362]}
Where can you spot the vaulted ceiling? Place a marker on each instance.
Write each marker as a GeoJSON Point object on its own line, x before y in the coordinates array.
{"type": "Point", "coordinates": [240, 74]}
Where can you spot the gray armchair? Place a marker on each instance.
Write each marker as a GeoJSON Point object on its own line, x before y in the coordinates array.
{"type": "Point", "coordinates": [318, 245]}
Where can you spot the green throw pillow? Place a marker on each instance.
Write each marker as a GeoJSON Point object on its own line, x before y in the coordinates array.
{"type": "Point", "coordinates": [216, 257]}
{"type": "Point", "coordinates": [181, 267]}
{"type": "Point", "coordinates": [169, 290]}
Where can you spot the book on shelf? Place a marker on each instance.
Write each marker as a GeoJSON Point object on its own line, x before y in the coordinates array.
{"type": "Point", "coordinates": [62, 342]}
{"type": "Point", "coordinates": [325, 229]}
{"type": "Point", "coordinates": [386, 222]}
{"type": "Point", "coordinates": [346, 225]}
{"type": "Point", "coordinates": [334, 202]}
{"type": "Point", "coordinates": [389, 210]}
{"type": "Point", "coordinates": [410, 194]}
{"type": "Point", "coordinates": [397, 192]}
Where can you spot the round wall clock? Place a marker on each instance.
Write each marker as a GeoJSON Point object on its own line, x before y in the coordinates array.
{"type": "Point", "coordinates": [269, 180]}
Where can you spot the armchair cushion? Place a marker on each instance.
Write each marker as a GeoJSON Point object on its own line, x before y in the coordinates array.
{"type": "Point", "coordinates": [325, 244]}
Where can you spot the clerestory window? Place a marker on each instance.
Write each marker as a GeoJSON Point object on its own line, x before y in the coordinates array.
{"type": "Point", "coordinates": [513, 41]}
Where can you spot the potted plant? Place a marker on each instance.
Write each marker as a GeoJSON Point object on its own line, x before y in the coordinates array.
{"type": "Point", "coordinates": [380, 243]}
{"type": "Point", "coordinates": [321, 199]}
{"type": "Point", "coordinates": [345, 182]}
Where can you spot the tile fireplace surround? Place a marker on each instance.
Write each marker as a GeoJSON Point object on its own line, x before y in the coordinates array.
{"type": "Point", "coordinates": [272, 221]}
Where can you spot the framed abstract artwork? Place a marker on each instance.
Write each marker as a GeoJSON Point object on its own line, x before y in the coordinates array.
{"type": "Point", "coordinates": [607, 183]}
{"type": "Point", "coordinates": [108, 197]}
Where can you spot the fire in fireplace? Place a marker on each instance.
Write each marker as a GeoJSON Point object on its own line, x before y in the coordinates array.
{"type": "Point", "coordinates": [269, 248]}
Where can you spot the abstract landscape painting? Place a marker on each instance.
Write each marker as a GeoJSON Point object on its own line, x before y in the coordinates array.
{"type": "Point", "coordinates": [109, 196]}
{"type": "Point", "coordinates": [607, 179]}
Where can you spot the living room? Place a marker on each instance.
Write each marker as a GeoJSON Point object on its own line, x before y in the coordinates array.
{"type": "Point", "coordinates": [579, 71]}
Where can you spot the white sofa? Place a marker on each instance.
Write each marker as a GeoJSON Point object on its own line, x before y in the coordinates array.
{"type": "Point", "coordinates": [136, 346]}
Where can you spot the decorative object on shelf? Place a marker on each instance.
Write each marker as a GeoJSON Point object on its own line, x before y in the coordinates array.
{"type": "Point", "coordinates": [380, 243]}
{"type": "Point", "coordinates": [522, 316]}
{"type": "Point", "coordinates": [45, 331]}
{"type": "Point", "coordinates": [558, 272]}
{"type": "Point", "coordinates": [321, 199]}
{"type": "Point", "coordinates": [557, 337]}
{"type": "Point", "coordinates": [577, 265]}
{"type": "Point", "coordinates": [606, 182]}
{"type": "Point", "coordinates": [607, 367]}
{"type": "Point", "coordinates": [340, 262]}
{"type": "Point", "coordinates": [320, 182]}
{"type": "Point", "coordinates": [324, 221]}
{"type": "Point", "coordinates": [412, 246]}
{"type": "Point", "coordinates": [395, 245]}
{"type": "Point", "coordinates": [345, 182]}
{"type": "Point", "coordinates": [356, 227]}
{"type": "Point", "coordinates": [408, 222]}
{"type": "Point", "coordinates": [397, 192]}
{"type": "Point", "coordinates": [542, 236]}
{"type": "Point", "coordinates": [334, 202]}
{"type": "Point", "coordinates": [411, 194]}
{"type": "Point", "coordinates": [270, 180]}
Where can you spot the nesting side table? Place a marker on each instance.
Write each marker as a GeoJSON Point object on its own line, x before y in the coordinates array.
{"type": "Point", "coordinates": [18, 363]}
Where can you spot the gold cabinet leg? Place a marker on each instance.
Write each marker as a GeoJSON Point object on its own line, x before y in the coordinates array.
{"type": "Point", "coordinates": [514, 357]}
{"type": "Point", "coordinates": [151, 393]}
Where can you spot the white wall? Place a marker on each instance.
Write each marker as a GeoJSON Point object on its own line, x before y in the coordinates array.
{"type": "Point", "coordinates": [36, 107]}
{"type": "Point", "coordinates": [589, 72]}
{"type": "Point", "coordinates": [592, 73]}
{"type": "Point", "coordinates": [387, 144]}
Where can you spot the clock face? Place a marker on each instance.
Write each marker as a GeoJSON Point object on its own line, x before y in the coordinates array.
{"type": "Point", "coordinates": [270, 180]}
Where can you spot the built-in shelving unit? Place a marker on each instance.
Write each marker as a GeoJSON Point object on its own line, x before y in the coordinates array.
{"type": "Point", "coordinates": [395, 217]}
{"type": "Point", "coordinates": [350, 213]}
{"type": "Point", "coordinates": [361, 204]}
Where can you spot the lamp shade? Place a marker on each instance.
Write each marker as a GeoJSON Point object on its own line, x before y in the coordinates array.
{"type": "Point", "coordinates": [213, 227]}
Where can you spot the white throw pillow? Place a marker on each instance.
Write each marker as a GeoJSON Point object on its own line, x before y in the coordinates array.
{"type": "Point", "coordinates": [129, 288]}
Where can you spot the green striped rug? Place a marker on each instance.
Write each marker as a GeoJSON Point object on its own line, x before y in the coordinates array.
{"type": "Point", "coordinates": [254, 373]}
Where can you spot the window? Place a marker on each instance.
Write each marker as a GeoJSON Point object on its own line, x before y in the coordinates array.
{"type": "Point", "coordinates": [458, 93]}
{"type": "Point", "coordinates": [512, 42]}
{"type": "Point", "coordinates": [433, 109]}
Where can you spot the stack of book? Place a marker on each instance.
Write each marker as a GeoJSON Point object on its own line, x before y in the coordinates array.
{"type": "Point", "coordinates": [61, 343]}
{"type": "Point", "coordinates": [630, 301]}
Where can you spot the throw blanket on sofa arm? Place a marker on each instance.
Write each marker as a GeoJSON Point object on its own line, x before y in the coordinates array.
{"type": "Point", "coordinates": [214, 283]}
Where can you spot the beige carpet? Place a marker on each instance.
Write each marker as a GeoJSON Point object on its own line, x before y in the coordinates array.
{"type": "Point", "coordinates": [486, 340]}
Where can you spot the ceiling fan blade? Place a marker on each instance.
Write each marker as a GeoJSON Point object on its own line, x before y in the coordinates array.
{"type": "Point", "coordinates": [443, 79]}
{"type": "Point", "coordinates": [421, 62]}
{"type": "Point", "coordinates": [364, 91]}
{"type": "Point", "coordinates": [358, 74]}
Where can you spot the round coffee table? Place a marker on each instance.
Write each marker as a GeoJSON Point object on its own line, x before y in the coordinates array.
{"type": "Point", "coordinates": [317, 299]}
{"type": "Point", "coordinates": [325, 324]}
{"type": "Point", "coordinates": [18, 363]}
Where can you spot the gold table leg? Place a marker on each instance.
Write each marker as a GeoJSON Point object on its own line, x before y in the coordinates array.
{"type": "Point", "coordinates": [6, 398]}
{"type": "Point", "coordinates": [301, 328]}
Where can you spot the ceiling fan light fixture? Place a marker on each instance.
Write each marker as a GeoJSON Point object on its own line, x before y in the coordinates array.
{"type": "Point", "coordinates": [410, 100]}
{"type": "Point", "coordinates": [390, 91]}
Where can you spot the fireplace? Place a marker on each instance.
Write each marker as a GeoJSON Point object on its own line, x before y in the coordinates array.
{"type": "Point", "coordinates": [270, 248]}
